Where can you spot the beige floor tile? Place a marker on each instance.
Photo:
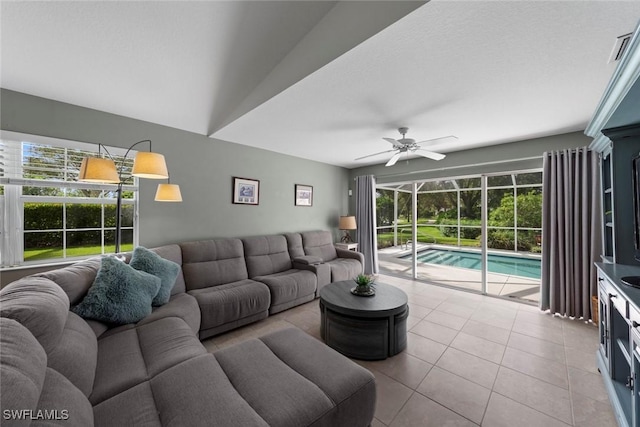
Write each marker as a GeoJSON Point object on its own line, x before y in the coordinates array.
{"type": "Point", "coordinates": [538, 347]}
{"type": "Point", "coordinates": [444, 319]}
{"type": "Point", "coordinates": [480, 347]}
{"type": "Point", "coordinates": [456, 393]}
{"type": "Point", "coordinates": [407, 369]}
{"type": "Point", "coordinates": [471, 367]}
{"type": "Point", "coordinates": [390, 397]}
{"type": "Point", "coordinates": [588, 384]}
{"type": "Point", "coordinates": [435, 332]}
{"type": "Point", "coordinates": [582, 360]}
{"type": "Point", "coordinates": [581, 336]}
{"type": "Point", "coordinates": [592, 413]}
{"type": "Point", "coordinates": [534, 330]}
{"type": "Point", "coordinates": [535, 366]}
{"type": "Point", "coordinates": [423, 412]}
{"type": "Point", "coordinates": [412, 321]}
{"type": "Point", "coordinates": [377, 423]}
{"type": "Point", "coordinates": [425, 301]}
{"type": "Point", "coordinates": [418, 311]}
{"type": "Point", "coordinates": [539, 395]}
{"type": "Point", "coordinates": [493, 317]}
{"type": "Point", "coordinates": [539, 317]}
{"type": "Point", "coordinates": [488, 332]}
{"type": "Point", "coordinates": [451, 307]}
{"type": "Point", "coordinates": [504, 412]}
{"type": "Point", "coordinates": [424, 348]}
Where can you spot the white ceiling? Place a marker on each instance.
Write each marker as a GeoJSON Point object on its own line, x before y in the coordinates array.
{"type": "Point", "coordinates": [323, 80]}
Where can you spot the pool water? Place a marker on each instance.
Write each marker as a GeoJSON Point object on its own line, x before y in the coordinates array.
{"type": "Point", "coordinates": [503, 264]}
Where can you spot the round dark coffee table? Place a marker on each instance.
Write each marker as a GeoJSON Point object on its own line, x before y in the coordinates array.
{"type": "Point", "coordinates": [368, 328]}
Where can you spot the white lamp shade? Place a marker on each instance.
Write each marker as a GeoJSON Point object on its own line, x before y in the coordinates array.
{"type": "Point", "coordinates": [97, 169]}
{"type": "Point", "coordinates": [149, 165]}
{"type": "Point", "coordinates": [347, 223]}
{"type": "Point", "coordinates": [168, 193]}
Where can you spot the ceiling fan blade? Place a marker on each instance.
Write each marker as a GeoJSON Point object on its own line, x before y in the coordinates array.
{"type": "Point", "coordinates": [430, 154]}
{"type": "Point", "coordinates": [393, 142]}
{"type": "Point", "coordinates": [374, 154]}
{"type": "Point", "coordinates": [392, 161]}
{"type": "Point", "coordinates": [442, 139]}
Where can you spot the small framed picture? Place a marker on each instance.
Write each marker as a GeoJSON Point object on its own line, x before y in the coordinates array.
{"type": "Point", "coordinates": [304, 195]}
{"type": "Point", "coordinates": [246, 191]}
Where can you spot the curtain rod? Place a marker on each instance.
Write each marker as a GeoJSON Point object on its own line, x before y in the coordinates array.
{"type": "Point", "coordinates": [497, 162]}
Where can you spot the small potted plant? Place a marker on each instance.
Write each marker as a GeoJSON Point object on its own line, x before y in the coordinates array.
{"type": "Point", "coordinates": [364, 286]}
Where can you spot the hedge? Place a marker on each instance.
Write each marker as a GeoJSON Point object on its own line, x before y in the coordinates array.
{"type": "Point", "coordinates": [48, 216]}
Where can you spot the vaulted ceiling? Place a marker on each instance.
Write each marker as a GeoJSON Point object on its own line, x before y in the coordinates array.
{"type": "Point", "coordinates": [323, 80]}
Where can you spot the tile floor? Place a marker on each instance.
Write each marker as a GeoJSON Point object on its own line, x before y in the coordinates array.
{"type": "Point", "coordinates": [474, 360]}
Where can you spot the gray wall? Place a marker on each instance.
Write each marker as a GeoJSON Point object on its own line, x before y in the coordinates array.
{"type": "Point", "coordinates": [203, 167]}
{"type": "Point", "coordinates": [512, 156]}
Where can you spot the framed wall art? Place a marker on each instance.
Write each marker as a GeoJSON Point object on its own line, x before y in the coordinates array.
{"type": "Point", "coordinates": [246, 191]}
{"type": "Point", "coordinates": [304, 195]}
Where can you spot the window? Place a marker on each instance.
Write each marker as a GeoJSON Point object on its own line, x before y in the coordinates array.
{"type": "Point", "coordinates": [47, 215]}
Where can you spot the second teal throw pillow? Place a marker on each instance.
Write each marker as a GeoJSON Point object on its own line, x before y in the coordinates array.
{"type": "Point", "coordinates": [119, 294]}
{"type": "Point", "coordinates": [145, 260]}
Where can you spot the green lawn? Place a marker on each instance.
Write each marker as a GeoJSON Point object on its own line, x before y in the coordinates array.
{"type": "Point", "coordinates": [54, 253]}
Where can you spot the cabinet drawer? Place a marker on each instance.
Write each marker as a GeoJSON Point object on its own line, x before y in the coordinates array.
{"type": "Point", "coordinates": [618, 301]}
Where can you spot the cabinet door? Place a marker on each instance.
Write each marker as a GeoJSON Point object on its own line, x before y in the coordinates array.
{"type": "Point", "coordinates": [635, 372]}
{"type": "Point", "coordinates": [603, 325]}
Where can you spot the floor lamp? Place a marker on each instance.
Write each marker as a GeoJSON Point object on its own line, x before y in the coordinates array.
{"type": "Point", "coordinates": [146, 164]}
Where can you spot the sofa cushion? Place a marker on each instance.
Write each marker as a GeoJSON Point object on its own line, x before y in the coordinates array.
{"type": "Point", "coordinates": [320, 244]}
{"type": "Point", "coordinates": [266, 255]}
{"type": "Point", "coordinates": [181, 305]}
{"type": "Point", "coordinates": [209, 263]}
{"type": "Point", "coordinates": [279, 394]}
{"type": "Point", "coordinates": [120, 294]}
{"type": "Point", "coordinates": [350, 387]}
{"type": "Point", "coordinates": [167, 271]}
{"type": "Point", "coordinates": [39, 305]}
{"type": "Point", "coordinates": [195, 393]}
{"type": "Point", "coordinates": [173, 253]}
{"type": "Point", "coordinates": [344, 269]}
{"type": "Point", "coordinates": [227, 303]}
{"type": "Point", "coordinates": [294, 244]}
{"type": "Point", "coordinates": [23, 364]}
{"type": "Point", "coordinates": [290, 385]}
{"type": "Point", "coordinates": [66, 404]}
{"type": "Point", "coordinates": [132, 356]}
{"type": "Point", "coordinates": [76, 354]}
{"type": "Point", "coordinates": [288, 287]}
{"type": "Point", "coordinates": [75, 279]}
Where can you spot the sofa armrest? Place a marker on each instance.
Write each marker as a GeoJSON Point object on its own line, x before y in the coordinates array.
{"type": "Point", "coordinates": [308, 260]}
{"type": "Point", "coordinates": [343, 253]}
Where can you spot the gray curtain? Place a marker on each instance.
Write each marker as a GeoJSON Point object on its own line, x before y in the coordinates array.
{"type": "Point", "coordinates": [366, 222]}
{"type": "Point", "coordinates": [571, 231]}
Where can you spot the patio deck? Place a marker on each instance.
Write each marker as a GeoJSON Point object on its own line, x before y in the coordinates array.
{"type": "Point", "coordinates": [504, 285]}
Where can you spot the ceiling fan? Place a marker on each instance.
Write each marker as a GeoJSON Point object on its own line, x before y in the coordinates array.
{"type": "Point", "coordinates": [409, 145]}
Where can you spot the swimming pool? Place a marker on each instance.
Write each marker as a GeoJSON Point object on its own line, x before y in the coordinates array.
{"type": "Point", "coordinates": [503, 264]}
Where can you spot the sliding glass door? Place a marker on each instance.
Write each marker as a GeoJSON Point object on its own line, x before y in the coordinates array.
{"type": "Point", "coordinates": [481, 233]}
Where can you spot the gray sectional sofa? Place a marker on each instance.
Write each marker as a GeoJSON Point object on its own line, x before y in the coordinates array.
{"type": "Point", "coordinates": [60, 369]}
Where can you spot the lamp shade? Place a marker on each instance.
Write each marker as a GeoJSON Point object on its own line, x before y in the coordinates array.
{"type": "Point", "coordinates": [149, 165]}
{"type": "Point", "coordinates": [97, 169]}
{"type": "Point", "coordinates": [347, 223]}
{"type": "Point", "coordinates": [168, 193]}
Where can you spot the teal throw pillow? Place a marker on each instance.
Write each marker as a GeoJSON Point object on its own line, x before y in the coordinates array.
{"type": "Point", "coordinates": [150, 262]}
{"type": "Point", "coordinates": [120, 294]}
